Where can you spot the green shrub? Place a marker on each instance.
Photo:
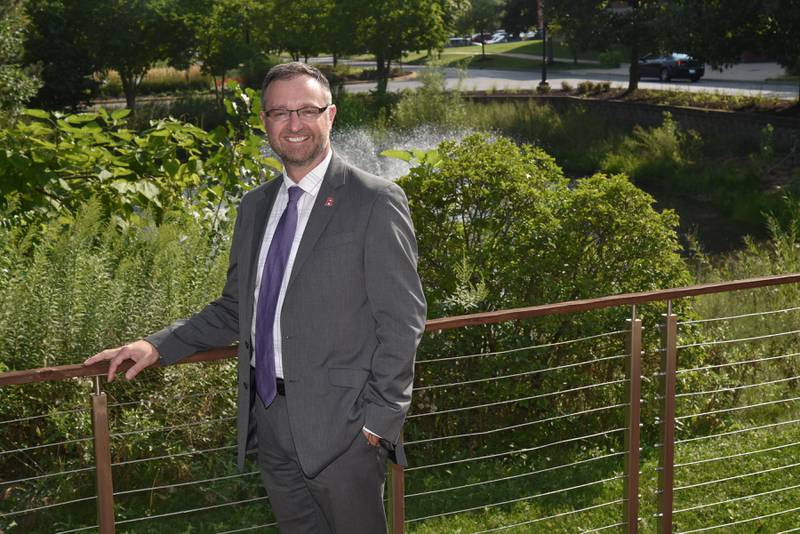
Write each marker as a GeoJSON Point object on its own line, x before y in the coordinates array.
{"type": "Point", "coordinates": [430, 104]}
{"type": "Point", "coordinates": [499, 227]}
{"type": "Point", "coordinates": [610, 59]}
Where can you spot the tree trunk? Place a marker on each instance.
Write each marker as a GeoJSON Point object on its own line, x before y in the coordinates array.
{"type": "Point", "coordinates": [129, 88]}
{"type": "Point", "coordinates": [633, 71]}
{"type": "Point", "coordinates": [380, 72]}
{"type": "Point", "coordinates": [335, 59]}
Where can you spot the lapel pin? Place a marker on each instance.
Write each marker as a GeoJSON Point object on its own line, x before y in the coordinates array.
{"type": "Point", "coordinates": [329, 202]}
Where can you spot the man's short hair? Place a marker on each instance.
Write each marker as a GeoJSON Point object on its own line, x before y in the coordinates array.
{"type": "Point", "coordinates": [288, 71]}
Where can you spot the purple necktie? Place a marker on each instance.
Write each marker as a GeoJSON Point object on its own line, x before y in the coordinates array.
{"type": "Point", "coordinates": [271, 280]}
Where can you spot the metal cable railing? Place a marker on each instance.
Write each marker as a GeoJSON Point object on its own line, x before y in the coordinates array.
{"type": "Point", "coordinates": [766, 378]}
{"type": "Point", "coordinates": [516, 433]}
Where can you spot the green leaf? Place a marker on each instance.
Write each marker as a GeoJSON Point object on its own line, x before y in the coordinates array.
{"type": "Point", "coordinates": [81, 118]}
{"type": "Point", "coordinates": [403, 155]}
{"type": "Point", "coordinates": [37, 113]}
{"type": "Point", "coordinates": [120, 113]}
{"type": "Point", "coordinates": [149, 190]}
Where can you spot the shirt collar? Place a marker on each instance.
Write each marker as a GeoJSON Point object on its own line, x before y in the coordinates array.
{"type": "Point", "coordinates": [310, 182]}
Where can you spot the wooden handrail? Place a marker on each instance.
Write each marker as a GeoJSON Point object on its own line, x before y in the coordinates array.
{"type": "Point", "coordinates": [61, 372]}
{"type": "Point", "coordinates": [574, 306]}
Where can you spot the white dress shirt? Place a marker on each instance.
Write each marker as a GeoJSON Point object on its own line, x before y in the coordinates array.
{"type": "Point", "coordinates": [310, 184]}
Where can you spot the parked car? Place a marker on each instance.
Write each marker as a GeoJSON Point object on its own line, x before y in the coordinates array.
{"type": "Point", "coordinates": [458, 41]}
{"type": "Point", "coordinates": [481, 37]}
{"type": "Point", "coordinates": [671, 66]}
{"type": "Point", "coordinates": [498, 38]}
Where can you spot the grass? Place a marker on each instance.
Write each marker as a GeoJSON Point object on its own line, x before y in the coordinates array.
{"type": "Point", "coordinates": [160, 80]}
{"type": "Point", "coordinates": [471, 56]}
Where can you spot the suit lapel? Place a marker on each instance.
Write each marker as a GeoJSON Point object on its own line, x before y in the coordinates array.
{"type": "Point", "coordinates": [261, 210]}
{"type": "Point", "coordinates": [325, 206]}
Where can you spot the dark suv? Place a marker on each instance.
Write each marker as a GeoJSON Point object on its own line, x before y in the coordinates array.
{"type": "Point", "coordinates": [670, 66]}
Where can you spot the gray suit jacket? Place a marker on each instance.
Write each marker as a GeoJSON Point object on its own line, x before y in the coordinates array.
{"type": "Point", "coordinates": [352, 318]}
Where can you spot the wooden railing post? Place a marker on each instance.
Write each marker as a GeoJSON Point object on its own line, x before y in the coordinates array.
{"type": "Point", "coordinates": [397, 499]}
{"type": "Point", "coordinates": [666, 464]}
{"type": "Point", "coordinates": [102, 460]}
{"type": "Point", "coordinates": [630, 507]}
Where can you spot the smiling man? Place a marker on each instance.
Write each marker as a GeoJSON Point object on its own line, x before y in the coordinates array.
{"type": "Point", "coordinates": [323, 295]}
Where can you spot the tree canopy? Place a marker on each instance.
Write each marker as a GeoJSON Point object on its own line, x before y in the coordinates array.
{"type": "Point", "coordinates": [17, 83]}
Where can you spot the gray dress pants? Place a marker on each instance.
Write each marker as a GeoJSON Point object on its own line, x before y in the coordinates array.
{"type": "Point", "coordinates": [345, 498]}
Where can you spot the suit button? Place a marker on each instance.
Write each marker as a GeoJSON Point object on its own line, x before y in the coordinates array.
{"type": "Point", "coordinates": [247, 345]}
{"type": "Point", "coordinates": [245, 385]}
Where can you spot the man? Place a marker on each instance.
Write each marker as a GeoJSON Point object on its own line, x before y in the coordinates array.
{"type": "Point", "coordinates": [322, 293]}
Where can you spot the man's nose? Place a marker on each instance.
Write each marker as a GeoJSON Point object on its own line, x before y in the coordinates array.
{"type": "Point", "coordinates": [294, 120]}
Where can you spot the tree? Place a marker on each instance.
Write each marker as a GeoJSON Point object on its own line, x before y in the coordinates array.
{"type": "Point", "coordinates": [518, 16]}
{"type": "Point", "coordinates": [579, 26]}
{"type": "Point", "coordinates": [228, 33]}
{"type": "Point", "coordinates": [386, 28]}
{"type": "Point", "coordinates": [484, 16]}
{"type": "Point", "coordinates": [17, 83]}
{"type": "Point", "coordinates": [339, 29]}
{"type": "Point", "coordinates": [528, 235]}
{"type": "Point", "coordinates": [130, 36]}
{"type": "Point", "coordinates": [781, 33]}
{"type": "Point", "coordinates": [298, 21]}
{"type": "Point", "coordinates": [59, 42]}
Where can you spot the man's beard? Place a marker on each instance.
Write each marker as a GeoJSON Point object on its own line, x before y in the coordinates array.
{"type": "Point", "coordinates": [303, 160]}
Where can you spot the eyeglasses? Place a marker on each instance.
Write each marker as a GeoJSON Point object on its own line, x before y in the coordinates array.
{"type": "Point", "coordinates": [305, 114]}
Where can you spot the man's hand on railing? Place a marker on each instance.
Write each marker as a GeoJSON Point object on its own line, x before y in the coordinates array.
{"type": "Point", "coordinates": [141, 352]}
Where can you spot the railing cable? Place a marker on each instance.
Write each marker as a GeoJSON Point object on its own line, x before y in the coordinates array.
{"type": "Point", "coordinates": [520, 349]}
{"type": "Point", "coordinates": [737, 455]}
{"type": "Point", "coordinates": [733, 364]}
{"type": "Point", "coordinates": [189, 483]}
{"type": "Point", "coordinates": [730, 317]}
{"type": "Point", "coordinates": [518, 499]}
{"type": "Point", "coordinates": [737, 388]}
{"type": "Point", "coordinates": [737, 408]}
{"type": "Point", "coordinates": [521, 399]}
{"type": "Point", "coordinates": [736, 477]}
{"type": "Point", "coordinates": [519, 425]}
{"type": "Point", "coordinates": [518, 451]}
{"type": "Point", "coordinates": [555, 516]}
{"type": "Point", "coordinates": [733, 432]}
{"type": "Point", "coordinates": [735, 499]}
{"type": "Point", "coordinates": [741, 522]}
{"type": "Point", "coordinates": [512, 477]}
{"type": "Point", "coordinates": [725, 341]}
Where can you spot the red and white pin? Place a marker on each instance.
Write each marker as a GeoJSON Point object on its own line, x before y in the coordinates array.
{"type": "Point", "coordinates": [329, 202]}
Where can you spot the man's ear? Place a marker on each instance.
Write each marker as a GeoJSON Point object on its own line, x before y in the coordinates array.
{"type": "Point", "coordinates": [331, 113]}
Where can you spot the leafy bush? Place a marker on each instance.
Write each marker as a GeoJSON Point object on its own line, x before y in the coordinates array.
{"type": "Point", "coordinates": [610, 59]}
{"type": "Point", "coordinates": [430, 104]}
{"type": "Point", "coordinates": [499, 227]}
{"type": "Point", "coordinates": [653, 154]}
{"type": "Point", "coordinates": [71, 287]}
{"type": "Point", "coordinates": [54, 162]}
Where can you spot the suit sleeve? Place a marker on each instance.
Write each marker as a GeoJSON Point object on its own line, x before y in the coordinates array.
{"type": "Point", "coordinates": [398, 307]}
{"type": "Point", "coordinates": [216, 325]}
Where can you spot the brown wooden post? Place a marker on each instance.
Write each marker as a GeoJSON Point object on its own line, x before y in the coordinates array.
{"type": "Point", "coordinates": [666, 464]}
{"type": "Point", "coordinates": [102, 460]}
{"type": "Point", "coordinates": [630, 506]}
{"type": "Point", "coordinates": [397, 499]}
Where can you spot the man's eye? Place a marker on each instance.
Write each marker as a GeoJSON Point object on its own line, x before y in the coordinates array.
{"type": "Point", "coordinates": [280, 113]}
{"type": "Point", "coordinates": [308, 113]}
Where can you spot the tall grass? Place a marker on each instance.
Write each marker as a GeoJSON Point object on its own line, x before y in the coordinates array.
{"type": "Point", "coordinates": [160, 80]}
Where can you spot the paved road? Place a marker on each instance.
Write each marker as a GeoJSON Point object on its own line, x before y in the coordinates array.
{"type": "Point", "coordinates": [743, 79]}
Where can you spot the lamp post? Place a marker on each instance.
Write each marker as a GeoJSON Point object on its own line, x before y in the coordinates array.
{"type": "Point", "coordinates": [543, 85]}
